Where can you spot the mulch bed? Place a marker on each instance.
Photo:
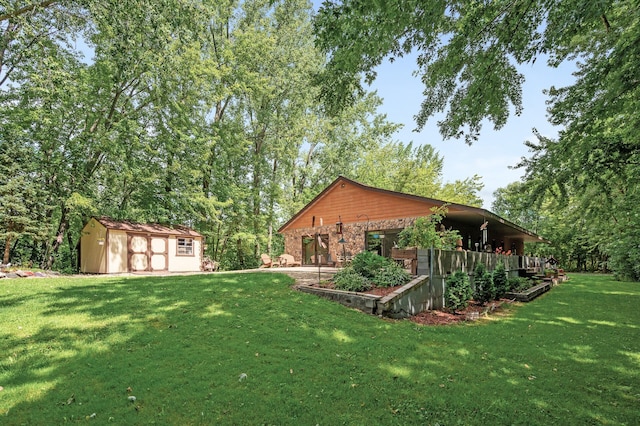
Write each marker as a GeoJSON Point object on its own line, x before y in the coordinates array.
{"type": "Point", "coordinates": [473, 312]}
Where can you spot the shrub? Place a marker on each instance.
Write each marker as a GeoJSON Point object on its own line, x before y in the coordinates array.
{"type": "Point", "coordinates": [485, 290]}
{"type": "Point", "coordinates": [350, 280]}
{"type": "Point", "coordinates": [500, 280]}
{"type": "Point", "coordinates": [391, 276]}
{"type": "Point", "coordinates": [369, 264]}
{"type": "Point", "coordinates": [428, 232]}
{"type": "Point", "coordinates": [458, 291]}
{"type": "Point", "coordinates": [518, 284]}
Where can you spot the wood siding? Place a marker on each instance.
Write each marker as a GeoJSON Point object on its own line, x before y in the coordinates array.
{"type": "Point", "coordinates": [362, 208]}
{"type": "Point", "coordinates": [93, 244]}
{"type": "Point", "coordinates": [347, 201]}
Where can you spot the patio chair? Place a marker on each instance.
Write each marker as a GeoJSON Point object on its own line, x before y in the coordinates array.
{"type": "Point", "coordinates": [267, 262]}
{"type": "Point", "coordinates": [209, 265]}
{"type": "Point", "coordinates": [288, 260]}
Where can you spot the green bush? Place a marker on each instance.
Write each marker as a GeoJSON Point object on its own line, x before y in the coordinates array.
{"type": "Point", "coordinates": [518, 284]}
{"type": "Point", "coordinates": [349, 280]}
{"type": "Point", "coordinates": [428, 232]}
{"type": "Point", "coordinates": [369, 264]}
{"type": "Point", "coordinates": [391, 276]}
{"type": "Point", "coordinates": [500, 281]}
{"type": "Point", "coordinates": [458, 291]}
{"type": "Point", "coordinates": [485, 290]}
{"type": "Point", "coordinates": [367, 269]}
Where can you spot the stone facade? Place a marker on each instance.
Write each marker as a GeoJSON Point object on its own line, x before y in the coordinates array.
{"type": "Point", "coordinates": [353, 234]}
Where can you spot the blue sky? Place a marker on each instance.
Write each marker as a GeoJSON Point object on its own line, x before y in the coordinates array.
{"type": "Point", "coordinates": [495, 151]}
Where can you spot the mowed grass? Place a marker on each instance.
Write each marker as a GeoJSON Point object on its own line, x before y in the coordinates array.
{"type": "Point", "coordinates": [246, 349]}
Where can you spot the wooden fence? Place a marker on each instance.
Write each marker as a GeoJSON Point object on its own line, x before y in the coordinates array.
{"type": "Point", "coordinates": [436, 265]}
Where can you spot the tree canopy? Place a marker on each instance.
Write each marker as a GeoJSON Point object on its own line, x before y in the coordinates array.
{"type": "Point", "coordinates": [202, 113]}
{"type": "Point", "coordinates": [468, 52]}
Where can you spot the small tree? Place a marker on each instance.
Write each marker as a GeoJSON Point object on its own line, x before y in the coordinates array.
{"type": "Point", "coordinates": [458, 291]}
{"type": "Point", "coordinates": [500, 281]}
{"type": "Point", "coordinates": [429, 232]}
{"type": "Point", "coordinates": [485, 290]}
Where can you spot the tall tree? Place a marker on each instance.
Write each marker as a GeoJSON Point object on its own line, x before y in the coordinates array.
{"type": "Point", "coordinates": [21, 196]}
{"type": "Point", "coordinates": [202, 113]}
{"type": "Point", "coordinates": [413, 170]}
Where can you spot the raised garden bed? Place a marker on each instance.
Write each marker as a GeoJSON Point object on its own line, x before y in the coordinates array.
{"type": "Point", "coordinates": [365, 302]}
{"type": "Point", "coordinates": [531, 293]}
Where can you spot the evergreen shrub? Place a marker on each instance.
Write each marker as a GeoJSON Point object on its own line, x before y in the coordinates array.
{"type": "Point", "coordinates": [458, 291]}
{"type": "Point", "coordinates": [500, 281]}
{"type": "Point", "coordinates": [518, 284]}
{"type": "Point", "coordinates": [485, 290]}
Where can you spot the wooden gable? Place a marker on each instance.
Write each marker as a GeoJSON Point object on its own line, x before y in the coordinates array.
{"type": "Point", "coordinates": [346, 200]}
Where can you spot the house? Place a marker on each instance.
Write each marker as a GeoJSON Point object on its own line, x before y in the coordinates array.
{"type": "Point", "coordinates": [109, 246]}
{"type": "Point", "coordinates": [348, 217]}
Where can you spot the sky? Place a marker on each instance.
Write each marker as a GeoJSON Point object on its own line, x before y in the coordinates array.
{"type": "Point", "coordinates": [496, 150]}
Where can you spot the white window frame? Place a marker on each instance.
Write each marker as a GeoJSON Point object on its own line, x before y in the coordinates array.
{"type": "Point", "coordinates": [184, 247]}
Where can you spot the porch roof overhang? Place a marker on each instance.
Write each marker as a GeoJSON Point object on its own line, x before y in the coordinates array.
{"type": "Point", "coordinates": [497, 225]}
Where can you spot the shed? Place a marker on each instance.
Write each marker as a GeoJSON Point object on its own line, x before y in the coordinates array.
{"type": "Point", "coordinates": [348, 217]}
{"type": "Point", "coordinates": [109, 246]}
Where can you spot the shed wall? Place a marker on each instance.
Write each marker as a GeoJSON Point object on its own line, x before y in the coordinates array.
{"type": "Point", "coordinates": [117, 259]}
{"type": "Point", "coordinates": [93, 248]}
{"type": "Point", "coordinates": [185, 263]}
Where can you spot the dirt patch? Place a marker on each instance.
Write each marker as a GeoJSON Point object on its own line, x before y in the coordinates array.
{"type": "Point", "coordinates": [472, 312]}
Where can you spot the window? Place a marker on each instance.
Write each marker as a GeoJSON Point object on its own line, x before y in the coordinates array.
{"type": "Point", "coordinates": [382, 241]}
{"type": "Point", "coordinates": [185, 246]}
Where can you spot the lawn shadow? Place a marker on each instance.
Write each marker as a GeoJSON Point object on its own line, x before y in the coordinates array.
{"type": "Point", "coordinates": [236, 348]}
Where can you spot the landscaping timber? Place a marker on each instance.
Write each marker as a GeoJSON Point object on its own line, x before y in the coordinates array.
{"type": "Point", "coordinates": [531, 293]}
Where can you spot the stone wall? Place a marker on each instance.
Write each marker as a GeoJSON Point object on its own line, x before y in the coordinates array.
{"type": "Point", "coordinates": [426, 290]}
{"type": "Point", "coordinates": [354, 235]}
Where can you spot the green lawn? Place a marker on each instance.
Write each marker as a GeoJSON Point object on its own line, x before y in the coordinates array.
{"type": "Point", "coordinates": [70, 348]}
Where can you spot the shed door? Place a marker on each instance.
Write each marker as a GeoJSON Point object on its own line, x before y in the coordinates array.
{"type": "Point", "coordinates": [138, 253]}
{"type": "Point", "coordinates": [159, 254]}
{"type": "Point", "coordinates": [147, 253]}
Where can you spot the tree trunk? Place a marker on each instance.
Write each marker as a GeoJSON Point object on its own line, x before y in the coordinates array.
{"type": "Point", "coordinates": [239, 253]}
{"type": "Point", "coordinates": [73, 254]}
{"type": "Point", "coordinates": [63, 225]}
{"type": "Point", "coordinates": [7, 250]}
